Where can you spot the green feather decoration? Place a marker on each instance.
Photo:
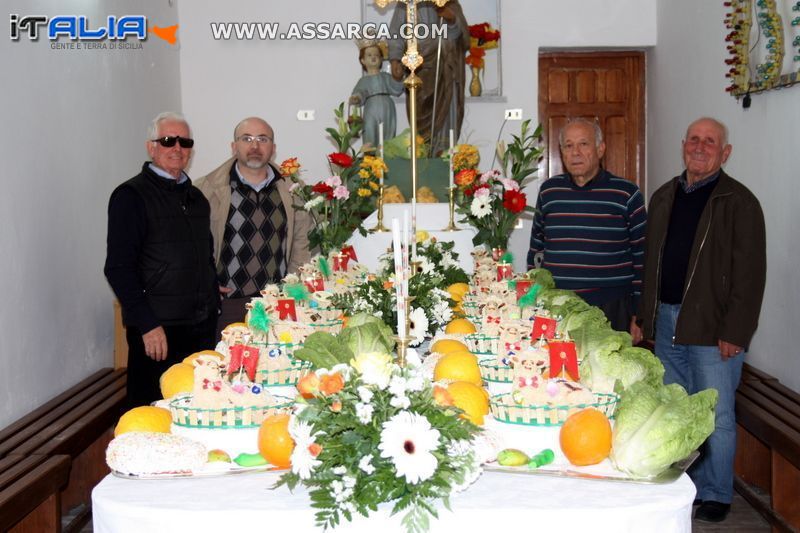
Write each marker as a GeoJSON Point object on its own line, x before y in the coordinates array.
{"type": "Point", "coordinates": [258, 318]}
{"type": "Point", "coordinates": [324, 267]}
{"type": "Point", "coordinates": [507, 257]}
{"type": "Point", "coordinates": [529, 300]}
{"type": "Point", "coordinates": [297, 291]}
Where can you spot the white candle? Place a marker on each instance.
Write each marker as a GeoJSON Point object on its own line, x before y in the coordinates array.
{"type": "Point", "coordinates": [451, 158]}
{"type": "Point", "coordinates": [413, 229]}
{"type": "Point", "coordinates": [398, 274]}
{"type": "Point", "coordinates": [380, 149]}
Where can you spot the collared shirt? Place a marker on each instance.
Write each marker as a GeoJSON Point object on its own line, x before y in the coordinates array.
{"type": "Point", "coordinates": [258, 186]}
{"type": "Point", "coordinates": [696, 185]}
{"type": "Point", "coordinates": [164, 174]}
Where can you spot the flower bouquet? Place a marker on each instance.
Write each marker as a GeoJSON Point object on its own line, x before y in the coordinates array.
{"type": "Point", "coordinates": [371, 432]}
{"type": "Point", "coordinates": [340, 202]}
{"type": "Point", "coordinates": [482, 37]}
{"type": "Point", "coordinates": [493, 201]}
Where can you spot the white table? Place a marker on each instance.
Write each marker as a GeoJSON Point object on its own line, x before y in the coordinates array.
{"type": "Point", "coordinates": [497, 502]}
{"type": "Point", "coordinates": [432, 218]}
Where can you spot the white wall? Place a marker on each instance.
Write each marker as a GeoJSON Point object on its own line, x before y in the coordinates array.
{"type": "Point", "coordinates": [73, 127]}
{"type": "Point", "coordinates": [686, 80]}
{"type": "Point", "coordinates": [224, 81]}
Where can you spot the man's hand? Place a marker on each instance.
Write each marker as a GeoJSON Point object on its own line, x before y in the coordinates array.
{"type": "Point", "coordinates": [224, 291]}
{"type": "Point", "coordinates": [636, 332]}
{"type": "Point", "coordinates": [728, 350]}
{"type": "Point", "coordinates": [155, 344]}
{"type": "Point", "coordinates": [397, 69]}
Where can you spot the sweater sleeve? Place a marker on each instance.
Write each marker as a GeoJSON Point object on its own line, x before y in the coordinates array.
{"type": "Point", "coordinates": [127, 227]}
{"type": "Point", "coordinates": [537, 234]}
{"type": "Point", "coordinates": [637, 227]}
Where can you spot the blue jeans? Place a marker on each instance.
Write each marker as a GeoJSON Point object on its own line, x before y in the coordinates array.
{"type": "Point", "coordinates": [697, 368]}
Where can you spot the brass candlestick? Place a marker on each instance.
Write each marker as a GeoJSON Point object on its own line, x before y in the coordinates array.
{"type": "Point", "coordinates": [379, 227]}
{"type": "Point", "coordinates": [402, 349]}
{"type": "Point", "coordinates": [452, 225]}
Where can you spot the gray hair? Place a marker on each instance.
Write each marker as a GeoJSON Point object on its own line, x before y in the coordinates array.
{"type": "Point", "coordinates": [598, 133]}
{"type": "Point", "coordinates": [719, 124]}
{"type": "Point", "coordinates": [171, 116]}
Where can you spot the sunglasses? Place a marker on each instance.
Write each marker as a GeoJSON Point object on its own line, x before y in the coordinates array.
{"type": "Point", "coordinates": [169, 142]}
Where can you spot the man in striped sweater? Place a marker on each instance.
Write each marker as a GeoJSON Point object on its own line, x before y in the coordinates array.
{"type": "Point", "coordinates": [589, 228]}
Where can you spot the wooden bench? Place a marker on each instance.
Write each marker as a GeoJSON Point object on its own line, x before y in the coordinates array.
{"type": "Point", "coordinates": [768, 447]}
{"type": "Point", "coordinates": [77, 424]}
{"type": "Point", "coordinates": [30, 488]}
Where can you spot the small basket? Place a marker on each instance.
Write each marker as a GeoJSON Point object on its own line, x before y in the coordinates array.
{"type": "Point", "coordinates": [505, 410]}
{"type": "Point", "coordinates": [224, 418]}
{"type": "Point", "coordinates": [492, 372]}
{"type": "Point", "coordinates": [282, 377]}
{"type": "Point", "coordinates": [330, 326]}
{"type": "Point", "coordinates": [482, 345]}
{"type": "Point", "coordinates": [287, 348]}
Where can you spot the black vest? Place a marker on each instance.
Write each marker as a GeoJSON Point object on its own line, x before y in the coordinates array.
{"type": "Point", "coordinates": [175, 265]}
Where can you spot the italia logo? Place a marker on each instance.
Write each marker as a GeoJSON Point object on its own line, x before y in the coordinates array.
{"type": "Point", "coordinates": [78, 28]}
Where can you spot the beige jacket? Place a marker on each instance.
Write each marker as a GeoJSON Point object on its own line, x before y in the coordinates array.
{"type": "Point", "coordinates": [217, 189]}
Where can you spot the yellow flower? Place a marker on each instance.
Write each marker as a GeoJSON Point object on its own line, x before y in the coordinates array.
{"type": "Point", "coordinates": [290, 167]}
{"type": "Point", "coordinates": [374, 185]}
{"type": "Point", "coordinates": [364, 173]}
{"type": "Point", "coordinates": [465, 156]}
{"type": "Point", "coordinates": [375, 368]}
{"type": "Point", "coordinates": [364, 192]}
{"type": "Point", "coordinates": [422, 235]}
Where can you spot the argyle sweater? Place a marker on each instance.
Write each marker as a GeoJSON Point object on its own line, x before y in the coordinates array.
{"type": "Point", "coordinates": [591, 237]}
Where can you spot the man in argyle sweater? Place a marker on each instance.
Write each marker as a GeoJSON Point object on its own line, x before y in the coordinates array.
{"type": "Point", "coordinates": [259, 236]}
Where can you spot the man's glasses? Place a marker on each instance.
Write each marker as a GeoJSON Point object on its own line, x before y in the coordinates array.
{"type": "Point", "coordinates": [260, 139]}
{"type": "Point", "coordinates": [169, 141]}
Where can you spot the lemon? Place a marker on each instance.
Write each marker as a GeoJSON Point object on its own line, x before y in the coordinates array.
{"type": "Point", "coordinates": [458, 366]}
{"type": "Point", "coordinates": [471, 399]}
{"type": "Point", "coordinates": [178, 378]}
{"type": "Point", "coordinates": [460, 326]}
{"type": "Point", "coordinates": [457, 291]}
{"type": "Point", "coordinates": [145, 418]}
{"type": "Point", "coordinates": [189, 359]}
{"type": "Point", "coordinates": [448, 345]}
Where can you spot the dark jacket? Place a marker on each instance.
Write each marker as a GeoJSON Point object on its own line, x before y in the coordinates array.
{"type": "Point", "coordinates": [727, 266]}
{"type": "Point", "coordinates": [159, 260]}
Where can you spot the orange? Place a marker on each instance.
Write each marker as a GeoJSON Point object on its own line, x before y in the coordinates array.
{"type": "Point", "coordinates": [585, 437]}
{"type": "Point", "coordinates": [178, 378]}
{"type": "Point", "coordinates": [460, 326]}
{"type": "Point", "coordinates": [275, 444]}
{"type": "Point", "coordinates": [448, 345]}
{"type": "Point", "coordinates": [471, 399]}
{"type": "Point", "coordinates": [458, 366]}
{"type": "Point", "coordinates": [189, 359]}
{"type": "Point", "coordinates": [144, 418]}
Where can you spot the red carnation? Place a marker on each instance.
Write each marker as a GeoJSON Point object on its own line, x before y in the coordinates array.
{"type": "Point", "coordinates": [340, 159]}
{"type": "Point", "coordinates": [323, 188]}
{"type": "Point", "coordinates": [514, 201]}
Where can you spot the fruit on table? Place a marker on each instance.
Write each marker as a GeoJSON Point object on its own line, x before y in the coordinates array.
{"type": "Point", "coordinates": [512, 457]}
{"type": "Point", "coordinates": [585, 437]}
{"type": "Point", "coordinates": [470, 398]}
{"type": "Point", "coordinates": [448, 345]}
{"type": "Point", "coordinates": [189, 359]}
{"type": "Point", "coordinates": [458, 366]}
{"type": "Point", "coordinates": [218, 456]}
{"type": "Point", "coordinates": [275, 443]}
{"type": "Point", "coordinates": [144, 418]}
{"type": "Point", "coordinates": [460, 326]}
{"type": "Point", "coordinates": [177, 379]}
{"type": "Point", "coordinates": [457, 291]}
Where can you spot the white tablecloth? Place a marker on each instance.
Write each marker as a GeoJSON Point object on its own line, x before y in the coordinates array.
{"type": "Point", "coordinates": [496, 503]}
{"type": "Point", "coordinates": [430, 217]}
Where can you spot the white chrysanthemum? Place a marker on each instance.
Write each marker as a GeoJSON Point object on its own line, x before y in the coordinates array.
{"type": "Point", "coordinates": [397, 386]}
{"type": "Point", "coordinates": [364, 412]}
{"type": "Point", "coordinates": [314, 202]}
{"type": "Point", "coordinates": [408, 439]}
{"type": "Point", "coordinates": [419, 326]}
{"type": "Point", "coordinates": [303, 458]}
{"type": "Point", "coordinates": [364, 394]}
{"type": "Point", "coordinates": [481, 206]}
{"type": "Point", "coordinates": [366, 466]}
{"type": "Point", "coordinates": [442, 313]}
{"type": "Point", "coordinates": [448, 261]}
{"type": "Point", "coordinates": [401, 402]}
{"type": "Point", "coordinates": [339, 470]}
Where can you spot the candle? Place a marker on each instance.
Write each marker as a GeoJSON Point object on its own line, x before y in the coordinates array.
{"type": "Point", "coordinates": [413, 229]}
{"type": "Point", "coordinates": [380, 149]}
{"type": "Point", "coordinates": [451, 158]}
{"type": "Point", "coordinates": [398, 274]}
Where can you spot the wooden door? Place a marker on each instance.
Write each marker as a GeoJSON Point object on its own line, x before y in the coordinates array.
{"type": "Point", "coordinates": [604, 86]}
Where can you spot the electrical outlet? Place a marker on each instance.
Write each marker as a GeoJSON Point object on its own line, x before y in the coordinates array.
{"type": "Point", "coordinates": [305, 114]}
{"type": "Point", "coordinates": [513, 114]}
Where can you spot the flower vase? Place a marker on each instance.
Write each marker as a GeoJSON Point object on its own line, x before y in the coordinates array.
{"type": "Point", "coordinates": [475, 84]}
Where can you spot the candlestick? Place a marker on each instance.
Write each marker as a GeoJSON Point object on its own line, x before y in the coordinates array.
{"type": "Point", "coordinates": [451, 226]}
{"type": "Point", "coordinates": [379, 227]}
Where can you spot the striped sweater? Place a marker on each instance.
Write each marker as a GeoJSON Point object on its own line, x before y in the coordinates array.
{"type": "Point", "coordinates": [592, 237]}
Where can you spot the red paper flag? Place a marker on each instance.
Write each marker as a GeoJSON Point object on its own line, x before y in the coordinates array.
{"type": "Point", "coordinates": [243, 356]}
{"type": "Point", "coordinates": [504, 271]}
{"type": "Point", "coordinates": [563, 357]}
{"type": "Point", "coordinates": [340, 262]}
{"type": "Point", "coordinates": [315, 284]}
{"type": "Point", "coordinates": [543, 327]}
{"type": "Point", "coordinates": [287, 308]}
{"type": "Point", "coordinates": [350, 252]}
{"type": "Point", "coordinates": [522, 288]}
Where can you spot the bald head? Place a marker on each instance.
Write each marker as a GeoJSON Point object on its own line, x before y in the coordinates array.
{"type": "Point", "coordinates": [705, 148]}
{"type": "Point", "coordinates": [253, 144]}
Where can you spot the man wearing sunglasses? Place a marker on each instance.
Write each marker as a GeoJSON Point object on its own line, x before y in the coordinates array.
{"type": "Point", "coordinates": [259, 236]}
{"type": "Point", "coordinates": [159, 260]}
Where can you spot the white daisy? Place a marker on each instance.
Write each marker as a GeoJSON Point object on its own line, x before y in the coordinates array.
{"type": "Point", "coordinates": [366, 466]}
{"type": "Point", "coordinates": [364, 412]}
{"type": "Point", "coordinates": [304, 457]}
{"type": "Point", "coordinates": [425, 265]}
{"type": "Point", "coordinates": [481, 206]}
{"type": "Point", "coordinates": [408, 439]}
{"type": "Point", "coordinates": [419, 326]}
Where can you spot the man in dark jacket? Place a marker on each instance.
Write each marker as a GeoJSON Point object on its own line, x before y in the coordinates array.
{"type": "Point", "coordinates": [159, 260]}
{"type": "Point", "coordinates": [705, 270]}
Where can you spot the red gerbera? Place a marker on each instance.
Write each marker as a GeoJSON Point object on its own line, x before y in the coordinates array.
{"type": "Point", "coordinates": [514, 201]}
{"type": "Point", "coordinates": [323, 188]}
{"type": "Point", "coordinates": [341, 159]}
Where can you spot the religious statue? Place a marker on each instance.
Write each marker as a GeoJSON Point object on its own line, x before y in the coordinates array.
{"type": "Point", "coordinates": [440, 99]}
{"type": "Point", "coordinates": [373, 91]}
